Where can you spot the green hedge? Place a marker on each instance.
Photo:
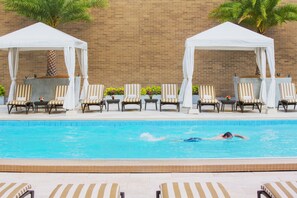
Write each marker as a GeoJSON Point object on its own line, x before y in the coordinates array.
{"type": "Point", "coordinates": [2, 90]}
{"type": "Point", "coordinates": [149, 90]}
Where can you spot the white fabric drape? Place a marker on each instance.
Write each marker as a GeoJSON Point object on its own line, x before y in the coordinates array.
{"type": "Point", "coordinates": [13, 62]}
{"type": "Point", "coordinates": [82, 55]}
{"type": "Point", "coordinates": [271, 63]}
{"type": "Point", "coordinates": [69, 56]}
{"type": "Point", "coordinates": [261, 62]}
{"type": "Point", "coordinates": [185, 94]}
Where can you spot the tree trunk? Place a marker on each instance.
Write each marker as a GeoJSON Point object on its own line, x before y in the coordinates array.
{"type": "Point", "coordinates": [51, 63]}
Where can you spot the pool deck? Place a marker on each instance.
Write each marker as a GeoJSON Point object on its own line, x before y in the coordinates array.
{"type": "Point", "coordinates": [129, 182]}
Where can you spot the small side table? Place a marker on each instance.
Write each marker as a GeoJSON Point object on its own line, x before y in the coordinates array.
{"type": "Point", "coordinates": [115, 101]}
{"type": "Point", "coordinates": [231, 102]}
{"type": "Point", "coordinates": [42, 104]}
{"type": "Point", "coordinates": [150, 101]}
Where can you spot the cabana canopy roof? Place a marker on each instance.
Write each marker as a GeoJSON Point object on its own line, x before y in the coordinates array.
{"type": "Point", "coordinates": [40, 36]}
{"type": "Point", "coordinates": [228, 36]}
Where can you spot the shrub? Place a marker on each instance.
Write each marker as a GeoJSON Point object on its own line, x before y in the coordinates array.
{"type": "Point", "coordinates": [195, 89]}
{"type": "Point", "coordinates": [2, 90]}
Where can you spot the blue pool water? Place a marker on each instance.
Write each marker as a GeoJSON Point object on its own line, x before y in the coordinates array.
{"type": "Point", "coordinates": [145, 139]}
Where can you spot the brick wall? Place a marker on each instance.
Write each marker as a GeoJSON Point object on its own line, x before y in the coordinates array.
{"type": "Point", "coordinates": [143, 42]}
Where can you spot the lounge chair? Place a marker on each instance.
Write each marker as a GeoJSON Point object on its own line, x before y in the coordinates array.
{"type": "Point", "coordinates": [169, 96]}
{"type": "Point", "coordinates": [22, 98]}
{"type": "Point", "coordinates": [288, 95]}
{"type": "Point", "coordinates": [95, 95]}
{"type": "Point", "coordinates": [192, 189]}
{"type": "Point", "coordinates": [207, 97]}
{"type": "Point", "coordinates": [131, 95]}
{"type": "Point", "coordinates": [247, 98]}
{"type": "Point", "coordinates": [61, 91]}
{"type": "Point", "coordinates": [110, 190]}
{"type": "Point", "coordinates": [15, 190]}
{"type": "Point", "coordinates": [278, 189]}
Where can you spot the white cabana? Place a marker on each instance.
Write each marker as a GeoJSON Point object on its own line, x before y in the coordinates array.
{"type": "Point", "coordinates": [228, 36]}
{"type": "Point", "coordinates": [43, 37]}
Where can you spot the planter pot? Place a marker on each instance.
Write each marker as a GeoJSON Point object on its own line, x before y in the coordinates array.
{"type": "Point", "coordinates": [1, 100]}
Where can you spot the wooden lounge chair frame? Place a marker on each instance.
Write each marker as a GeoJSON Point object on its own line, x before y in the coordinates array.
{"type": "Point", "coordinates": [262, 192]}
{"type": "Point", "coordinates": [61, 91]}
{"type": "Point", "coordinates": [90, 92]}
{"type": "Point", "coordinates": [208, 90]}
{"type": "Point", "coordinates": [22, 90]}
{"type": "Point", "coordinates": [172, 90]}
{"type": "Point", "coordinates": [29, 192]}
{"type": "Point", "coordinates": [127, 91]}
{"type": "Point", "coordinates": [289, 88]}
{"type": "Point", "coordinates": [248, 87]}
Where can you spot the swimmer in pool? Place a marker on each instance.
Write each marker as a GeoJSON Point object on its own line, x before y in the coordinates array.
{"type": "Point", "coordinates": [225, 136]}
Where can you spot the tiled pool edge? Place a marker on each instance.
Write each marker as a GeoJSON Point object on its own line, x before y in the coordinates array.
{"type": "Point", "coordinates": [148, 166]}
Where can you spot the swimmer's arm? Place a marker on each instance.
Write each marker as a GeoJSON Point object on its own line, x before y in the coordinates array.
{"type": "Point", "coordinates": [241, 136]}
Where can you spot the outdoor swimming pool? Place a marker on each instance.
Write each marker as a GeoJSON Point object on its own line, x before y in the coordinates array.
{"type": "Point", "coordinates": [145, 139]}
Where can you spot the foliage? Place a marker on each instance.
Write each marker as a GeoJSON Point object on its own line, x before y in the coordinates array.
{"type": "Point", "coordinates": [195, 89]}
{"type": "Point", "coordinates": [149, 90]}
{"type": "Point", "coordinates": [2, 90]}
{"type": "Point", "coordinates": [54, 12]}
{"type": "Point", "coordinates": [114, 91]}
{"type": "Point", "coordinates": [259, 14]}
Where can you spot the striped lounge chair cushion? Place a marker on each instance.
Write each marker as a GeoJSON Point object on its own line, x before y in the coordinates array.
{"type": "Point", "coordinates": [61, 91]}
{"type": "Point", "coordinates": [288, 92]}
{"type": "Point", "coordinates": [169, 93]}
{"type": "Point", "coordinates": [22, 95]}
{"type": "Point", "coordinates": [95, 94]}
{"type": "Point", "coordinates": [246, 93]}
{"type": "Point", "coordinates": [193, 190]}
{"type": "Point", "coordinates": [286, 189]}
{"type": "Point", "coordinates": [207, 94]}
{"type": "Point", "coordinates": [13, 190]}
{"type": "Point", "coordinates": [132, 93]}
{"type": "Point", "coordinates": [111, 190]}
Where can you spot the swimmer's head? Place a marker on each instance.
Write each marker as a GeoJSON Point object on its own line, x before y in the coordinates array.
{"type": "Point", "coordinates": [227, 135]}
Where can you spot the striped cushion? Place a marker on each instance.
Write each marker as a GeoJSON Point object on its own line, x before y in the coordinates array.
{"type": "Point", "coordinates": [13, 190]}
{"type": "Point", "coordinates": [17, 102]}
{"type": "Point", "coordinates": [169, 93]}
{"type": "Point", "coordinates": [252, 101]}
{"type": "Point", "coordinates": [287, 91]}
{"type": "Point", "coordinates": [22, 92]}
{"type": "Point", "coordinates": [95, 94]}
{"type": "Point", "coordinates": [290, 101]}
{"type": "Point", "coordinates": [207, 94]}
{"type": "Point", "coordinates": [61, 91]}
{"type": "Point", "coordinates": [111, 190]}
{"type": "Point", "coordinates": [281, 189]}
{"type": "Point", "coordinates": [193, 190]}
{"type": "Point", "coordinates": [212, 101]}
{"type": "Point", "coordinates": [246, 93]}
{"type": "Point", "coordinates": [56, 102]}
{"type": "Point", "coordinates": [132, 93]}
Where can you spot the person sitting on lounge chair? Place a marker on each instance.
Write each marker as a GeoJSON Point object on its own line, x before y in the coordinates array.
{"type": "Point", "coordinates": [225, 136]}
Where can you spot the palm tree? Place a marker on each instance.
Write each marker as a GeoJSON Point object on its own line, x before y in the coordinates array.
{"type": "Point", "coordinates": [258, 14]}
{"type": "Point", "coordinates": [53, 13]}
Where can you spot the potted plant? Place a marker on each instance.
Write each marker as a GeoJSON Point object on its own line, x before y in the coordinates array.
{"type": "Point", "coordinates": [2, 93]}
{"type": "Point", "coordinates": [111, 92]}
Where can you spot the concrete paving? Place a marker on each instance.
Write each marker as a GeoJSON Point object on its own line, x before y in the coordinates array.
{"type": "Point", "coordinates": [240, 184]}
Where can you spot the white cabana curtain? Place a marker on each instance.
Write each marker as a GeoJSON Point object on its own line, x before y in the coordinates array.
{"type": "Point", "coordinates": [271, 63]}
{"type": "Point", "coordinates": [69, 55]}
{"type": "Point", "coordinates": [13, 62]}
{"type": "Point", "coordinates": [188, 69]}
{"type": "Point", "coordinates": [82, 55]}
{"type": "Point", "coordinates": [261, 62]}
